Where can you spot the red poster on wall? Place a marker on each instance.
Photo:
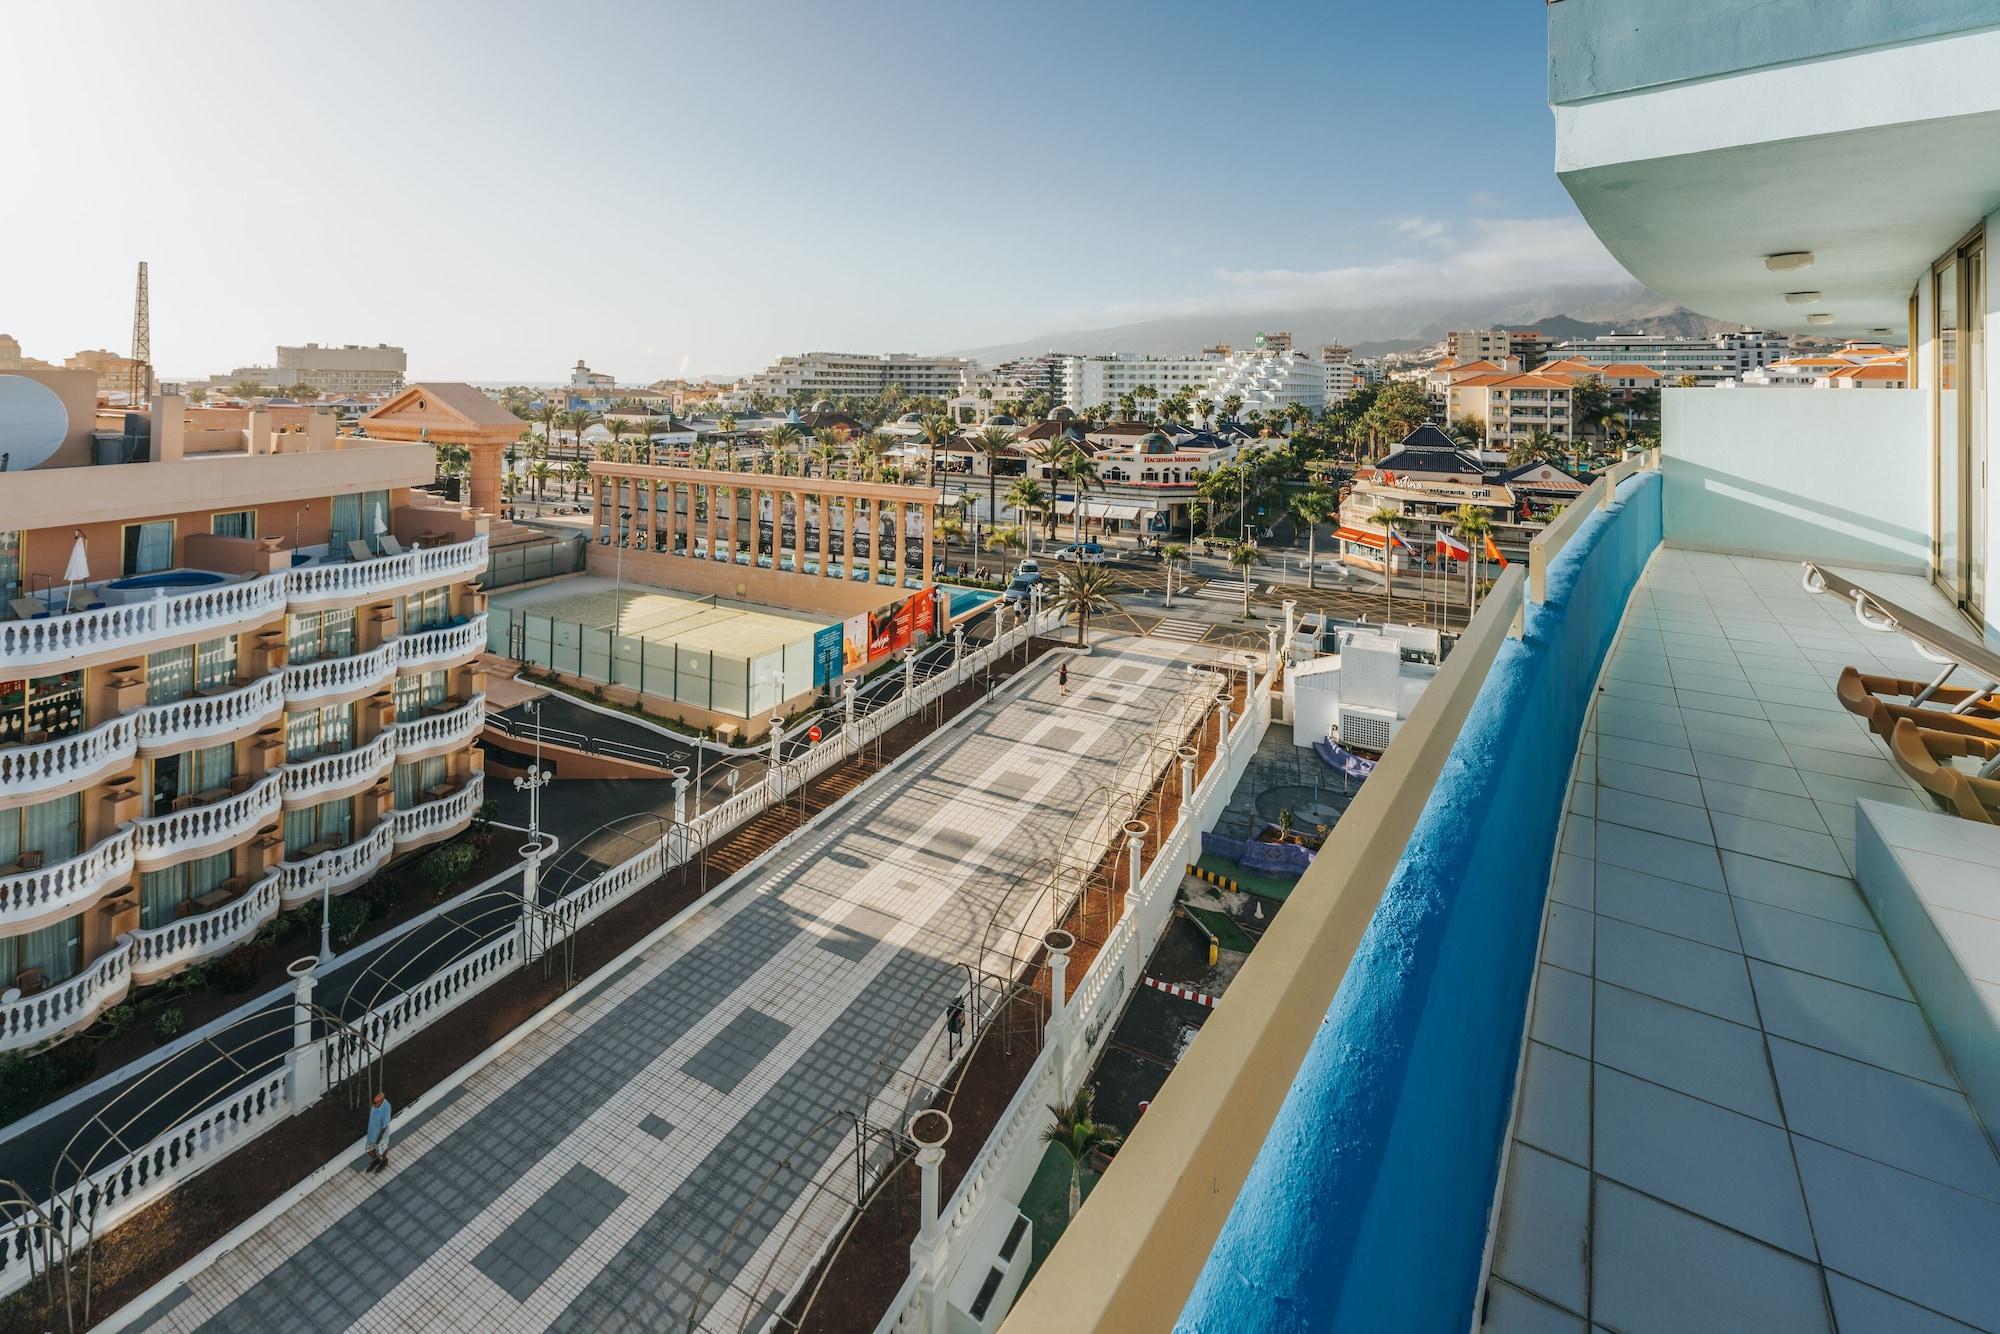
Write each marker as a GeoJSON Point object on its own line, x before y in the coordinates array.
{"type": "Point", "coordinates": [906, 621]}
{"type": "Point", "coordinates": [926, 604]}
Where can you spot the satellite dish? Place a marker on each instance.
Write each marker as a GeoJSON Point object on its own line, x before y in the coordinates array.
{"type": "Point", "coordinates": [33, 423]}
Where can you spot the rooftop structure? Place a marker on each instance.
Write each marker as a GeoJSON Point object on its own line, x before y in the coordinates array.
{"type": "Point", "coordinates": [1644, 985]}
{"type": "Point", "coordinates": [863, 375]}
{"type": "Point", "coordinates": [1263, 380]}
{"type": "Point", "coordinates": [348, 369]}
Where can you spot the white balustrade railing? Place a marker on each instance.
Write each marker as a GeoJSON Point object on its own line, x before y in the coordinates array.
{"type": "Point", "coordinates": [306, 780]}
{"type": "Point", "coordinates": [341, 676]}
{"type": "Point", "coordinates": [337, 868]}
{"type": "Point", "coordinates": [432, 817]}
{"type": "Point", "coordinates": [68, 635]}
{"type": "Point", "coordinates": [69, 885]}
{"type": "Point", "coordinates": [446, 730]}
{"type": "Point", "coordinates": [47, 765]}
{"type": "Point", "coordinates": [214, 825]}
{"type": "Point", "coordinates": [432, 648]}
{"type": "Point", "coordinates": [199, 717]}
{"type": "Point", "coordinates": [26, 1021]}
{"type": "Point", "coordinates": [160, 950]}
{"type": "Point", "coordinates": [310, 584]}
{"type": "Point", "coordinates": [398, 1019]}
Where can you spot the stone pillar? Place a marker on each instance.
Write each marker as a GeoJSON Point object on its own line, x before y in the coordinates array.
{"type": "Point", "coordinates": [1291, 621]}
{"type": "Point", "coordinates": [799, 531]}
{"type": "Point", "coordinates": [929, 1130]}
{"type": "Point", "coordinates": [711, 500]}
{"type": "Point", "coordinates": [1188, 756]}
{"type": "Point", "coordinates": [930, 541]}
{"type": "Point", "coordinates": [531, 866]}
{"type": "Point", "coordinates": [1135, 846]}
{"type": "Point", "coordinates": [305, 1078]}
{"type": "Point", "coordinates": [825, 524]}
{"type": "Point", "coordinates": [1059, 943]}
{"type": "Point", "coordinates": [909, 672]}
{"type": "Point", "coordinates": [775, 764]}
{"type": "Point", "coordinates": [958, 654]}
{"type": "Point", "coordinates": [483, 478]}
{"type": "Point", "coordinates": [1222, 722]}
{"type": "Point", "coordinates": [652, 516]}
{"type": "Point", "coordinates": [849, 689]}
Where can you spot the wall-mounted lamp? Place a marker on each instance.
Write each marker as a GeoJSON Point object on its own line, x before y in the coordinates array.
{"type": "Point", "coordinates": [1820, 317]}
{"type": "Point", "coordinates": [1801, 298]}
{"type": "Point", "coordinates": [1790, 261]}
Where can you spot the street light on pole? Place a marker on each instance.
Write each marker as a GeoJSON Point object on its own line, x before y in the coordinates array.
{"type": "Point", "coordinates": [536, 779]}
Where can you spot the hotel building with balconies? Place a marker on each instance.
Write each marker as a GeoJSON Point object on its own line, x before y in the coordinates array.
{"type": "Point", "coordinates": [237, 672]}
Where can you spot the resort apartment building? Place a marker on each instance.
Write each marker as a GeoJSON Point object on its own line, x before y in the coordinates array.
{"type": "Point", "coordinates": [862, 375]}
{"type": "Point", "coordinates": [1342, 374]}
{"type": "Point", "coordinates": [1265, 381]}
{"type": "Point", "coordinates": [348, 369]}
{"type": "Point", "coordinates": [237, 673]}
{"type": "Point", "coordinates": [1709, 360]}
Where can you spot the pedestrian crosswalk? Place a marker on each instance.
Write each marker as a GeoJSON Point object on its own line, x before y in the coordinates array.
{"type": "Point", "coordinates": [1220, 590]}
{"type": "Point", "coordinates": [1188, 632]}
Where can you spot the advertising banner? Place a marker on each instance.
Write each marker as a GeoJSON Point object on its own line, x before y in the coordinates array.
{"type": "Point", "coordinates": [905, 624]}
{"type": "Point", "coordinates": [929, 622]}
{"type": "Point", "coordinates": [827, 661]}
{"type": "Point", "coordinates": [854, 643]}
{"type": "Point", "coordinates": [881, 632]}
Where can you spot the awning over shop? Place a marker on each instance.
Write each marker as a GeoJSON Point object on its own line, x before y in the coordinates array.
{"type": "Point", "coordinates": [1099, 509]}
{"type": "Point", "coordinates": [1361, 535]}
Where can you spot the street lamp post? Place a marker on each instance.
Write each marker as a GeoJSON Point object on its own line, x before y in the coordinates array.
{"type": "Point", "coordinates": [532, 783]}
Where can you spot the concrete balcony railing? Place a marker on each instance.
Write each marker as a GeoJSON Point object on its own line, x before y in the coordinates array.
{"type": "Point", "coordinates": [446, 815]}
{"type": "Point", "coordinates": [51, 640]}
{"type": "Point", "coordinates": [358, 674]}
{"type": "Point", "coordinates": [68, 886]}
{"type": "Point", "coordinates": [428, 650]}
{"type": "Point", "coordinates": [28, 1021]}
{"type": "Point", "coordinates": [207, 828]}
{"type": "Point", "coordinates": [200, 717]}
{"type": "Point", "coordinates": [162, 950]}
{"type": "Point", "coordinates": [445, 730]}
{"type": "Point", "coordinates": [310, 780]}
{"type": "Point", "coordinates": [48, 765]}
{"type": "Point", "coordinates": [336, 869]}
{"type": "Point", "coordinates": [313, 584]}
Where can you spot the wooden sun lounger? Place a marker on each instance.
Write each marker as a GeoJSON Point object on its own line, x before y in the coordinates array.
{"type": "Point", "coordinates": [1925, 756]}
{"type": "Point", "coordinates": [1873, 698]}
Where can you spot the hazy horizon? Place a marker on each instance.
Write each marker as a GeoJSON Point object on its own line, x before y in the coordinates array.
{"type": "Point", "coordinates": [692, 189]}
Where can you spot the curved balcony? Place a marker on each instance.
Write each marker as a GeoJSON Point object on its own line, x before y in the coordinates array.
{"type": "Point", "coordinates": [162, 950]}
{"type": "Point", "coordinates": [205, 828]}
{"type": "Point", "coordinates": [356, 675]}
{"type": "Point", "coordinates": [199, 718]}
{"type": "Point", "coordinates": [129, 626]}
{"type": "Point", "coordinates": [447, 729]}
{"type": "Point", "coordinates": [442, 817]}
{"type": "Point", "coordinates": [27, 1021]}
{"type": "Point", "coordinates": [428, 650]}
{"type": "Point", "coordinates": [71, 885]}
{"type": "Point", "coordinates": [48, 765]}
{"type": "Point", "coordinates": [336, 869]}
{"type": "Point", "coordinates": [313, 585]}
{"type": "Point", "coordinates": [312, 780]}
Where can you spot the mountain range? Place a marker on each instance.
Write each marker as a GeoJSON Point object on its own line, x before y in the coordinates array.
{"type": "Point", "coordinates": [1581, 311]}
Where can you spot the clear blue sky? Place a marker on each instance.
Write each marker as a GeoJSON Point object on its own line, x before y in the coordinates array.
{"type": "Point", "coordinates": [504, 187]}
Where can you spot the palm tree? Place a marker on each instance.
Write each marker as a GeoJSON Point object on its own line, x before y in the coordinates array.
{"type": "Point", "coordinates": [578, 474]}
{"type": "Point", "coordinates": [992, 442]}
{"type": "Point", "coordinates": [782, 439]}
{"type": "Point", "coordinates": [726, 423]}
{"type": "Point", "coordinates": [1027, 497]}
{"type": "Point", "coordinates": [1172, 555]}
{"type": "Point", "coordinates": [1206, 407]}
{"type": "Point", "coordinates": [1231, 405]}
{"type": "Point", "coordinates": [1471, 524]}
{"type": "Point", "coordinates": [1004, 539]}
{"type": "Point", "coordinates": [547, 415]}
{"type": "Point", "coordinates": [1538, 446]}
{"type": "Point", "coordinates": [1387, 517]}
{"type": "Point", "coordinates": [1072, 1130]}
{"type": "Point", "coordinates": [616, 425]}
{"type": "Point", "coordinates": [539, 472]}
{"type": "Point", "coordinates": [1310, 507]}
{"type": "Point", "coordinates": [1243, 556]}
{"type": "Point", "coordinates": [1082, 591]}
{"type": "Point", "coordinates": [825, 455]}
{"type": "Point", "coordinates": [937, 430]}
{"type": "Point", "coordinates": [1080, 470]}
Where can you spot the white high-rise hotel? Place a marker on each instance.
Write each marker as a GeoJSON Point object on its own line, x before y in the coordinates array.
{"type": "Point", "coordinates": [1265, 381]}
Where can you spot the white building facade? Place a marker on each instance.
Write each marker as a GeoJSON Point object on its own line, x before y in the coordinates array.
{"type": "Point", "coordinates": [863, 375]}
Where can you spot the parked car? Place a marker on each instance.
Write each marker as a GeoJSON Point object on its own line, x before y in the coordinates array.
{"type": "Point", "coordinates": [1020, 589]}
{"type": "Point", "coordinates": [1028, 569]}
{"type": "Point", "coordinates": [1087, 553]}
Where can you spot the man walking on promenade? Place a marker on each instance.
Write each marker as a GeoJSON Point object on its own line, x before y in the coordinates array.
{"type": "Point", "coordinates": [1062, 677]}
{"type": "Point", "coordinates": [379, 1113]}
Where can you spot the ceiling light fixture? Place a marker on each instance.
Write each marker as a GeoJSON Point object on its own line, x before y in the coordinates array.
{"type": "Point", "coordinates": [1821, 318]}
{"type": "Point", "coordinates": [1790, 261]}
{"type": "Point", "coordinates": [1801, 298]}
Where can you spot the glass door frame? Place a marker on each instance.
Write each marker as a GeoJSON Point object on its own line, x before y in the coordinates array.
{"type": "Point", "coordinates": [1953, 571]}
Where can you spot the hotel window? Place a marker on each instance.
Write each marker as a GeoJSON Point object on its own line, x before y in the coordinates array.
{"type": "Point", "coordinates": [327, 825]}
{"type": "Point", "coordinates": [203, 772]}
{"type": "Point", "coordinates": [175, 673]}
{"type": "Point", "coordinates": [312, 635]}
{"type": "Point", "coordinates": [10, 565]}
{"type": "Point", "coordinates": [426, 610]}
{"type": "Point", "coordinates": [415, 779]}
{"type": "Point", "coordinates": [322, 731]}
{"type": "Point", "coordinates": [355, 519]}
{"type": "Point", "coordinates": [233, 523]}
{"type": "Point", "coordinates": [149, 547]}
{"type": "Point", "coordinates": [46, 832]}
{"type": "Point", "coordinates": [417, 694]}
{"type": "Point", "coordinates": [41, 708]}
{"type": "Point", "coordinates": [42, 958]}
{"type": "Point", "coordinates": [170, 893]}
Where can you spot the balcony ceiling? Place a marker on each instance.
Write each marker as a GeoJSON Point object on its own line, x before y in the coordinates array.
{"type": "Point", "coordinates": [1874, 206]}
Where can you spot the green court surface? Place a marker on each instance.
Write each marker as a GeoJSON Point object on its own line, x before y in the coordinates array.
{"type": "Point", "coordinates": [1227, 934]}
{"type": "Point", "coordinates": [1254, 882]}
{"type": "Point", "coordinates": [1046, 1203]}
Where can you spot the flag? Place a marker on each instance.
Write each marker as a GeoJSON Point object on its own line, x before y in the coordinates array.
{"type": "Point", "coordinates": [1493, 552]}
{"type": "Point", "coordinates": [1452, 547]}
{"type": "Point", "coordinates": [1396, 539]}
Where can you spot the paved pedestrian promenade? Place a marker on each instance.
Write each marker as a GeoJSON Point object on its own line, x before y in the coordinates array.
{"type": "Point", "coordinates": [677, 1143]}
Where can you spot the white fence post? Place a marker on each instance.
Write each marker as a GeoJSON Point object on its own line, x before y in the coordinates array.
{"type": "Point", "coordinates": [305, 1078]}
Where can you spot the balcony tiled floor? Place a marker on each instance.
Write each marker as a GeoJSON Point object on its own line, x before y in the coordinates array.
{"type": "Point", "coordinates": [1734, 1116]}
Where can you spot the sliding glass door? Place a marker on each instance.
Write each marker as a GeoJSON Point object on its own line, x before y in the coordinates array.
{"type": "Point", "coordinates": [1958, 289]}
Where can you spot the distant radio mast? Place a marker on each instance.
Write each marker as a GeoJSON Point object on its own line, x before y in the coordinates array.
{"type": "Point", "coordinates": [142, 341]}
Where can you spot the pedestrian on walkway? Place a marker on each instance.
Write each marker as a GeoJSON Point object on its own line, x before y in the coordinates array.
{"type": "Point", "coordinates": [379, 1112]}
{"type": "Point", "coordinates": [1062, 677]}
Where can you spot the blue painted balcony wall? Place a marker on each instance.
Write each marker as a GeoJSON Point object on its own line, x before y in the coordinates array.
{"type": "Point", "coordinates": [1366, 1208]}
